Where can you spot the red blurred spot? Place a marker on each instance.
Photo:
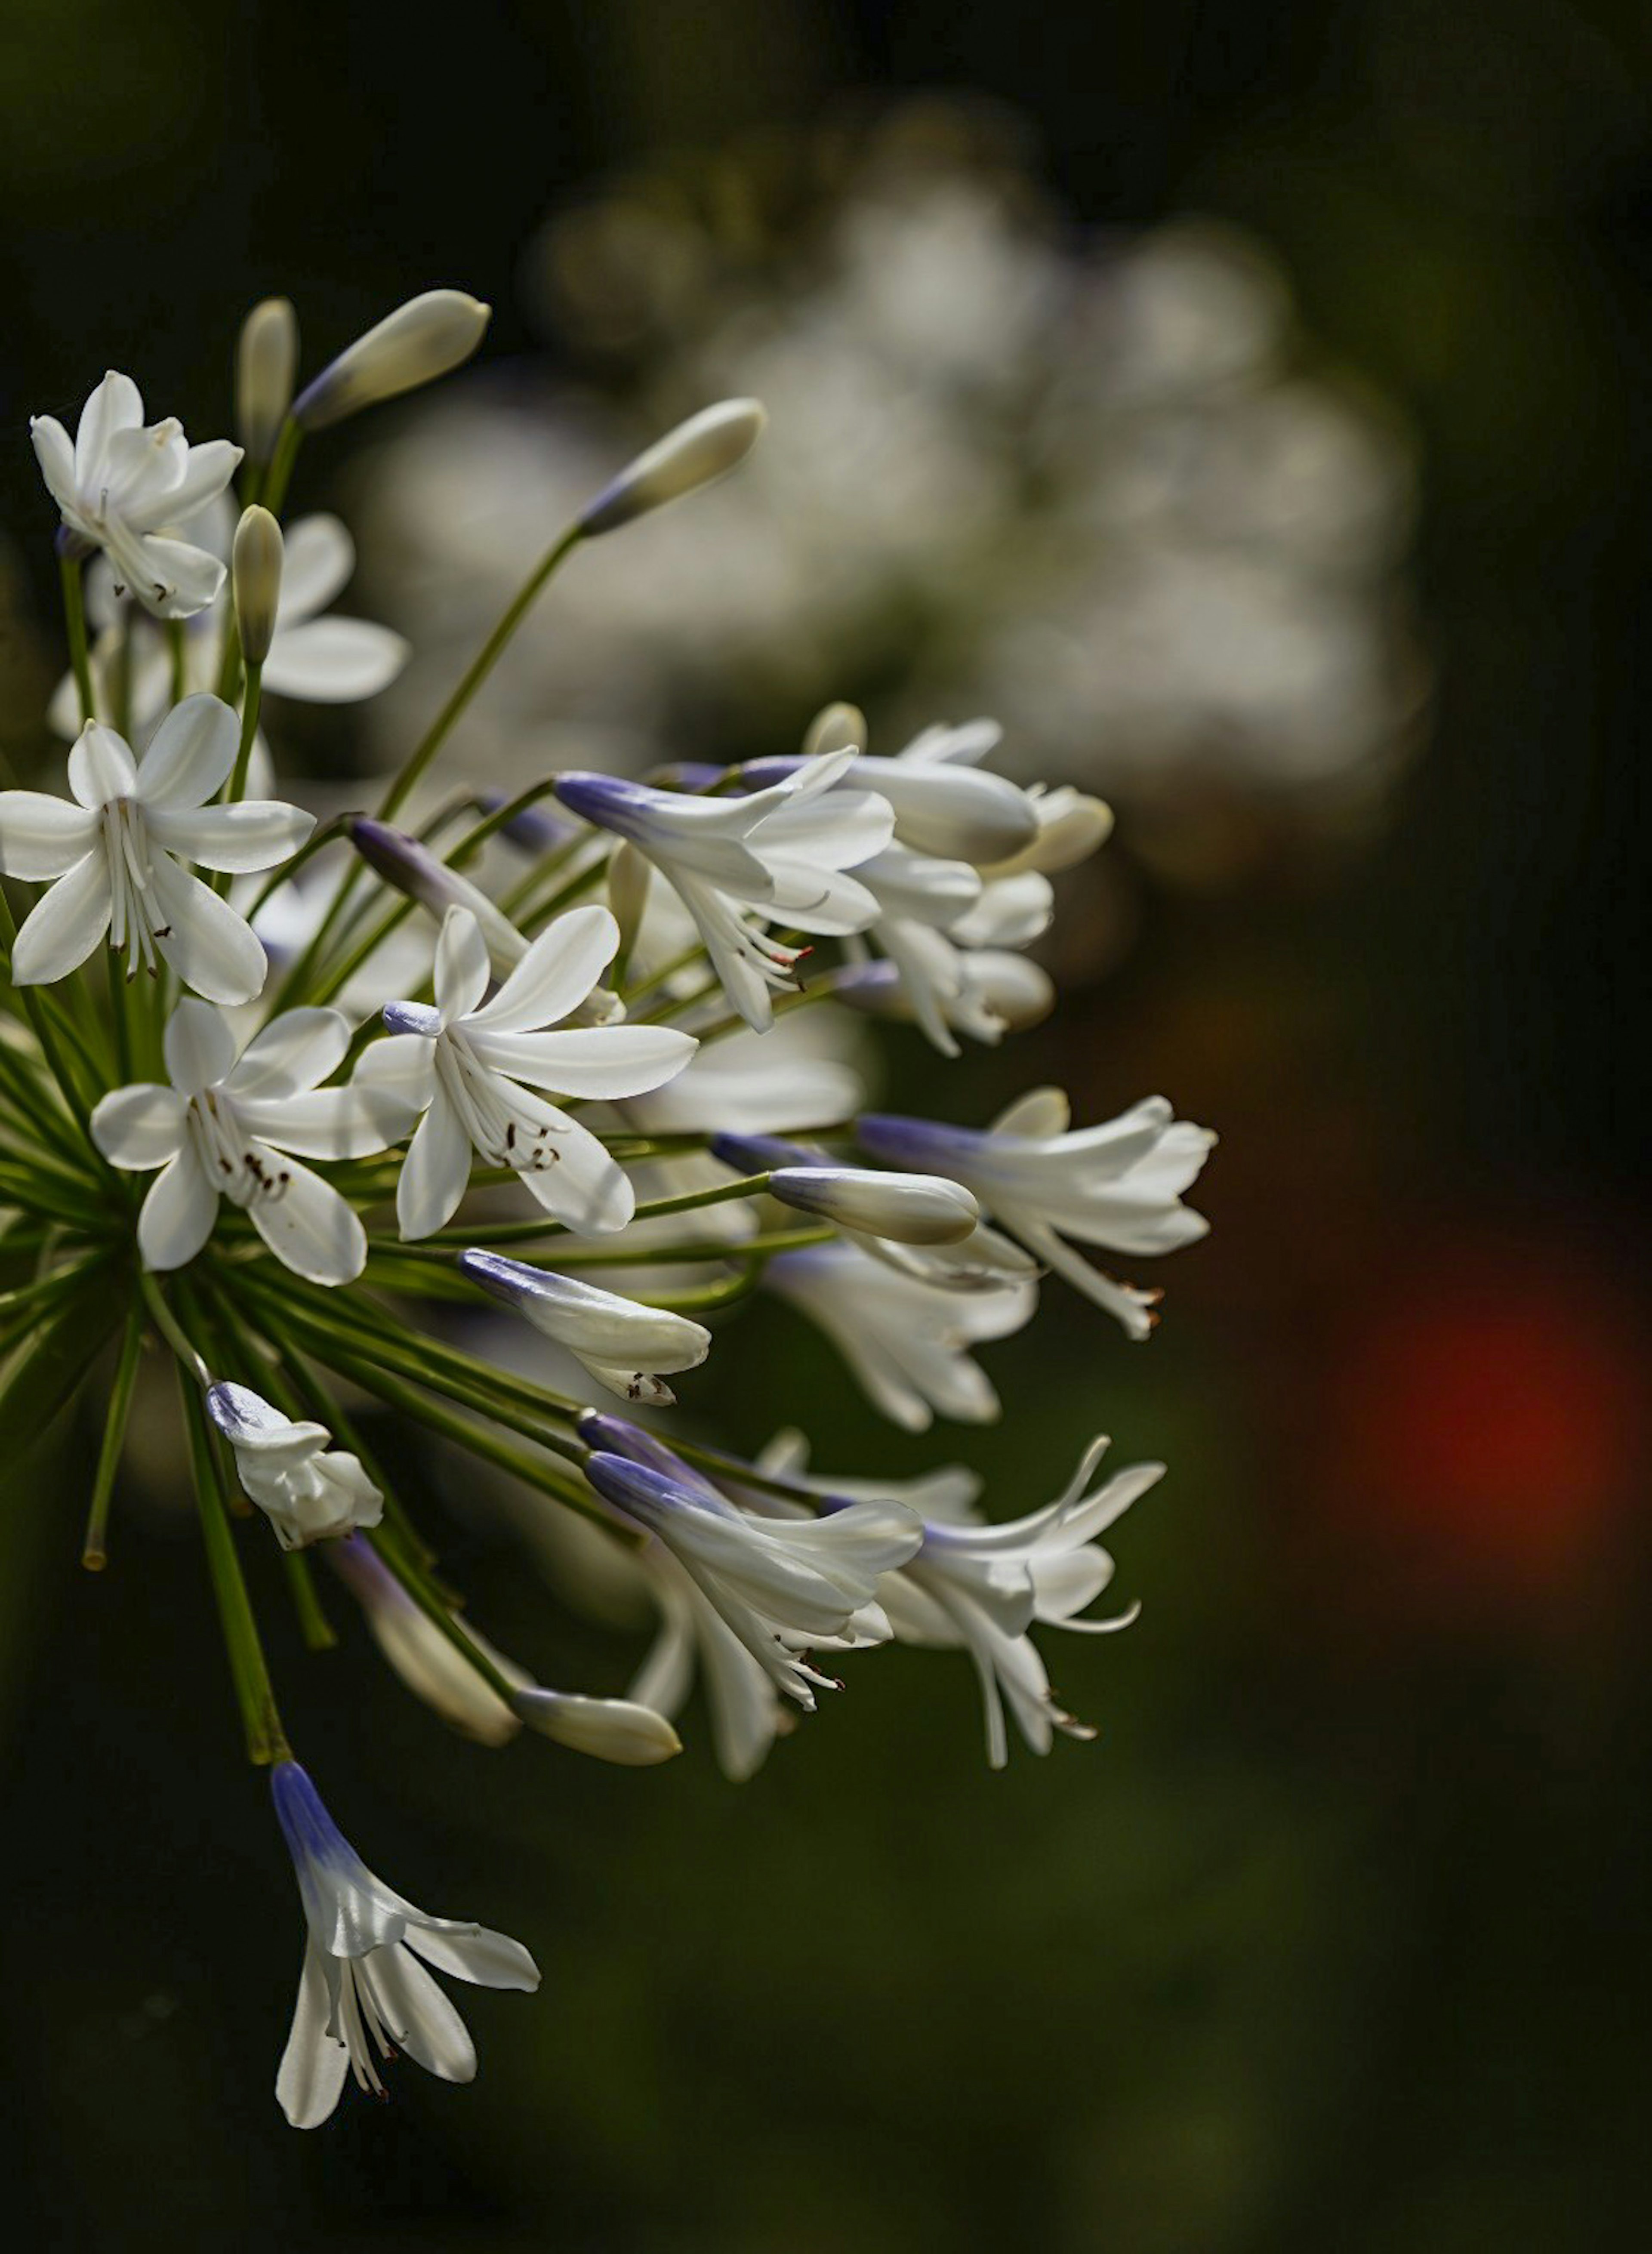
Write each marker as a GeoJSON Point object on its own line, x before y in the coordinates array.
{"type": "Point", "coordinates": [1490, 1422]}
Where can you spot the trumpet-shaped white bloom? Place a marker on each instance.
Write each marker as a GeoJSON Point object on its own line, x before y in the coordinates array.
{"type": "Point", "coordinates": [308, 1491]}
{"type": "Point", "coordinates": [983, 1586]}
{"type": "Point", "coordinates": [1118, 1185]}
{"type": "Point", "coordinates": [985, 992]}
{"type": "Point", "coordinates": [233, 1124]}
{"type": "Point", "coordinates": [943, 805]}
{"type": "Point", "coordinates": [115, 854]}
{"type": "Point", "coordinates": [125, 488]}
{"type": "Point", "coordinates": [622, 1344]}
{"type": "Point", "coordinates": [473, 1068]}
{"type": "Point", "coordinates": [364, 1987]}
{"type": "Point", "coordinates": [783, 1587]}
{"type": "Point", "coordinates": [778, 856]}
{"type": "Point", "coordinates": [906, 1340]}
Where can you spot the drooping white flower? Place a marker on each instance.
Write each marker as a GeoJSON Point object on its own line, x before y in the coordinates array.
{"type": "Point", "coordinates": [623, 1344]}
{"type": "Point", "coordinates": [783, 1587]}
{"type": "Point", "coordinates": [229, 1126]}
{"type": "Point", "coordinates": [1118, 1185]}
{"type": "Point", "coordinates": [983, 1586]}
{"type": "Point", "coordinates": [985, 992]}
{"type": "Point", "coordinates": [473, 1068]}
{"type": "Point", "coordinates": [308, 1491]}
{"type": "Point", "coordinates": [364, 1987]}
{"type": "Point", "coordinates": [778, 856]}
{"type": "Point", "coordinates": [906, 1340]}
{"type": "Point", "coordinates": [125, 488]}
{"type": "Point", "coordinates": [115, 854]}
{"type": "Point", "coordinates": [744, 1704]}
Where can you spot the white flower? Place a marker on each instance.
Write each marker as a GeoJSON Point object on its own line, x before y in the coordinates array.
{"type": "Point", "coordinates": [119, 486]}
{"type": "Point", "coordinates": [316, 659]}
{"type": "Point", "coordinates": [225, 1127]}
{"type": "Point", "coordinates": [985, 992]}
{"type": "Point", "coordinates": [308, 1491]}
{"type": "Point", "coordinates": [622, 1344]}
{"type": "Point", "coordinates": [984, 1587]}
{"type": "Point", "coordinates": [363, 1986]}
{"type": "Point", "coordinates": [781, 1586]}
{"type": "Point", "coordinates": [942, 804]}
{"type": "Point", "coordinates": [906, 1340]}
{"type": "Point", "coordinates": [111, 851]}
{"type": "Point", "coordinates": [464, 1063]}
{"type": "Point", "coordinates": [778, 854]}
{"type": "Point", "coordinates": [743, 1703]}
{"type": "Point", "coordinates": [1118, 1185]}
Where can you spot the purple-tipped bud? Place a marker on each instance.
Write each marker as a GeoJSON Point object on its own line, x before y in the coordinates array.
{"type": "Point", "coordinates": [918, 1143]}
{"type": "Point", "coordinates": [532, 828]}
{"type": "Point", "coordinates": [757, 1154]}
{"type": "Point", "coordinates": [910, 1209]}
{"type": "Point", "coordinates": [410, 866]}
{"type": "Point", "coordinates": [704, 448]}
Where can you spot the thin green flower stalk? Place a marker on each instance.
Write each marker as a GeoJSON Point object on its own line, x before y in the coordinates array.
{"type": "Point", "coordinates": [474, 1118]}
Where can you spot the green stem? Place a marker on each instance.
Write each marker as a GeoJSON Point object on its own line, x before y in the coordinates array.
{"type": "Point", "coordinates": [75, 620]}
{"type": "Point", "coordinates": [266, 1740]}
{"type": "Point", "coordinates": [476, 672]}
{"type": "Point", "coordinates": [316, 1628]}
{"type": "Point", "coordinates": [167, 1324]}
{"type": "Point", "coordinates": [35, 1012]}
{"type": "Point", "coordinates": [94, 1552]}
{"type": "Point", "coordinates": [249, 733]}
{"type": "Point", "coordinates": [525, 1232]}
{"type": "Point", "coordinates": [175, 651]}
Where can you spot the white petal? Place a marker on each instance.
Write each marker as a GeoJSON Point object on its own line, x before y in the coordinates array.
{"type": "Point", "coordinates": [333, 660]}
{"type": "Point", "coordinates": [170, 579]}
{"type": "Point", "coordinates": [401, 1064]}
{"type": "Point", "coordinates": [199, 1047]}
{"type": "Point", "coordinates": [42, 836]}
{"type": "Point", "coordinates": [215, 951]}
{"type": "Point", "coordinates": [116, 405]}
{"type": "Point", "coordinates": [191, 755]}
{"type": "Point", "coordinates": [296, 1050]}
{"type": "Point", "coordinates": [177, 1213]}
{"type": "Point", "coordinates": [558, 972]}
{"type": "Point", "coordinates": [329, 1123]}
{"type": "Point", "coordinates": [430, 2031]}
{"type": "Point", "coordinates": [586, 1188]}
{"type": "Point", "coordinates": [254, 833]}
{"type": "Point", "coordinates": [56, 457]}
{"type": "Point", "coordinates": [64, 925]}
{"type": "Point", "coordinates": [486, 1960]}
{"type": "Point", "coordinates": [601, 1060]}
{"type": "Point", "coordinates": [313, 2065]}
{"type": "Point", "coordinates": [316, 563]}
{"type": "Point", "coordinates": [140, 1127]}
{"type": "Point", "coordinates": [462, 970]}
{"type": "Point", "coordinates": [1040, 1112]}
{"type": "Point", "coordinates": [308, 1226]}
{"type": "Point", "coordinates": [435, 1171]}
{"type": "Point", "coordinates": [101, 766]}
{"type": "Point", "coordinates": [208, 469]}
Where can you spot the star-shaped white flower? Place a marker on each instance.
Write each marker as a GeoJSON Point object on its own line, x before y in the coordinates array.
{"type": "Point", "coordinates": [115, 851]}
{"type": "Point", "coordinates": [364, 1987]}
{"type": "Point", "coordinates": [123, 487]}
{"type": "Point", "coordinates": [778, 856]}
{"type": "Point", "coordinates": [473, 1069]}
{"type": "Point", "coordinates": [227, 1126]}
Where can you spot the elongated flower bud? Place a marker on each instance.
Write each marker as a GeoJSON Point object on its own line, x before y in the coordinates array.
{"type": "Point", "coordinates": [412, 868]}
{"type": "Point", "coordinates": [266, 362]}
{"type": "Point", "coordinates": [705, 447]}
{"type": "Point", "coordinates": [628, 875]}
{"type": "Point", "coordinates": [912, 1208]}
{"type": "Point", "coordinates": [429, 1662]}
{"type": "Point", "coordinates": [611, 1729]}
{"type": "Point", "coordinates": [426, 338]}
{"type": "Point", "coordinates": [255, 579]}
{"type": "Point", "coordinates": [836, 728]}
{"type": "Point", "coordinates": [623, 1344]}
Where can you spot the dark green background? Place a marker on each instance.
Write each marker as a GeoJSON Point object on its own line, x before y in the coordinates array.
{"type": "Point", "coordinates": [1337, 1938]}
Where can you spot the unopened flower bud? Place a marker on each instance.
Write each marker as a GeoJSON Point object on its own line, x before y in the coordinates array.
{"type": "Point", "coordinates": [628, 875]}
{"type": "Point", "coordinates": [911, 1208]}
{"type": "Point", "coordinates": [705, 447]}
{"type": "Point", "coordinates": [266, 361]}
{"type": "Point", "coordinates": [428, 1662]}
{"type": "Point", "coordinates": [426, 338]}
{"type": "Point", "coordinates": [1072, 826]}
{"type": "Point", "coordinates": [613, 1729]}
{"type": "Point", "coordinates": [255, 579]}
{"type": "Point", "coordinates": [412, 868]}
{"type": "Point", "coordinates": [836, 728]}
{"type": "Point", "coordinates": [621, 1343]}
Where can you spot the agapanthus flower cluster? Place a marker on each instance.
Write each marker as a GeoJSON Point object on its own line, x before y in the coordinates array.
{"type": "Point", "coordinates": [279, 1101]}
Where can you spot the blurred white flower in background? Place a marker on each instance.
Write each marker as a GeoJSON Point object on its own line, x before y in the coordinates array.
{"type": "Point", "coordinates": [1099, 488]}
